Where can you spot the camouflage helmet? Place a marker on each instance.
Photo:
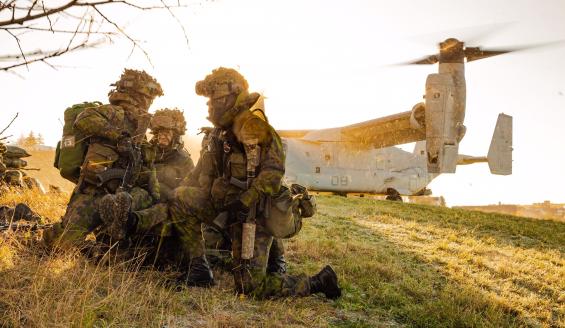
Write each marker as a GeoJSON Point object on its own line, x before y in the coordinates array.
{"type": "Point", "coordinates": [221, 82]}
{"type": "Point", "coordinates": [172, 119]}
{"type": "Point", "coordinates": [139, 82]}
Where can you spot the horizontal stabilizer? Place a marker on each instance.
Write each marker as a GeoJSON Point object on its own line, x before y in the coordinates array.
{"type": "Point", "coordinates": [467, 160]}
{"type": "Point", "coordinates": [500, 151]}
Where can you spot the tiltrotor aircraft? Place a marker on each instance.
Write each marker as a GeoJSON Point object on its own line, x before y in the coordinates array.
{"type": "Point", "coordinates": [359, 158]}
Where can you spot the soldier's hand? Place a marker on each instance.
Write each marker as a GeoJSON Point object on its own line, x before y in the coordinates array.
{"type": "Point", "coordinates": [236, 207]}
{"type": "Point", "coordinates": [124, 144]}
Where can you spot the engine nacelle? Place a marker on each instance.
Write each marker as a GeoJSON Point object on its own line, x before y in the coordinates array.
{"type": "Point", "coordinates": [442, 128]}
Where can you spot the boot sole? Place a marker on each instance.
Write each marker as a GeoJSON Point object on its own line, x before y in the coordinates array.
{"type": "Point", "coordinates": [114, 210]}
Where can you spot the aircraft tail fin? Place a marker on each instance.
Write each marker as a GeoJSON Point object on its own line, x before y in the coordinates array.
{"type": "Point", "coordinates": [500, 151]}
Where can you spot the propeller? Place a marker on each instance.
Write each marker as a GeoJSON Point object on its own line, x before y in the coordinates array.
{"type": "Point", "coordinates": [453, 50]}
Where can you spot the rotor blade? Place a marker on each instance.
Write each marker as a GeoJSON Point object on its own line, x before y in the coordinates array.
{"type": "Point", "coordinates": [475, 53]}
{"type": "Point", "coordinates": [474, 34]}
{"type": "Point", "coordinates": [429, 60]}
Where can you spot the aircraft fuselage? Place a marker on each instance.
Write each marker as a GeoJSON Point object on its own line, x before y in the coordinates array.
{"type": "Point", "coordinates": [345, 167]}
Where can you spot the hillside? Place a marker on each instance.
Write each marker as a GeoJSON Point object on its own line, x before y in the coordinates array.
{"type": "Point", "coordinates": [48, 175]}
{"type": "Point", "coordinates": [399, 264]}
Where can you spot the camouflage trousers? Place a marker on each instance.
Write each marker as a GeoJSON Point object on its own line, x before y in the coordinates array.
{"type": "Point", "coordinates": [155, 231]}
{"type": "Point", "coordinates": [218, 247]}
{"type": "Point", "coordinates": [192, 207]}
{"type": "Point", "coordinates": [82, 216]}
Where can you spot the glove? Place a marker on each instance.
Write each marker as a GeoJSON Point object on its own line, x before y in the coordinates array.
{"type": "Point", "coordinates": [236, 207]}
{"type": "Point", "coordinates": [125, 144]}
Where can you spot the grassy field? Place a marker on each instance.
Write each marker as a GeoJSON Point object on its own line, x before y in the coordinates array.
{"type": "Point", "coordinates": [400, 265]}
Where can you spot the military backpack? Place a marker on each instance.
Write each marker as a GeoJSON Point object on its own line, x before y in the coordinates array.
{"type": "Point", "coordinates": [72, 148]}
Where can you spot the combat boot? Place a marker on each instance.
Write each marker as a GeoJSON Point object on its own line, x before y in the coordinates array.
{"type": "Point", "coordinates": [325, 282]}
{"type": "Point", "coordinates": [114, 212]}
{"type": "Point", "coordinates": [199, 273]}
{"type": "Point", "coordinates": [277, 264]}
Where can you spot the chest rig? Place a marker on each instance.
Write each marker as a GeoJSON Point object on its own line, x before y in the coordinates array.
{"type": "Point", "coordinates": [233, 161]}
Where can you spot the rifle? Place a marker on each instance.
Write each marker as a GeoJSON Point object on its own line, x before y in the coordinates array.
{"type": "Point", "coordinates": [248, 219]}
{"type": "Point", "coordinates": [110, 174]}
{"type": "Point", "coordinates": [253, 152]}
{"type": "Point", "coordinates": [27, 226]}
{"type": "Point", "coordinates": [132, 148]}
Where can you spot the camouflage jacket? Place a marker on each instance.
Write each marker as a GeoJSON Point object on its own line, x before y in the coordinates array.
{"type": "Point", "coordinates": [172, 167]}
{"type": "Point", "coordinates": [250, 140]}
{"type": "Point", "coordinates": [106, 121]}
{"type": "Point", "coordinates": [104, 126]}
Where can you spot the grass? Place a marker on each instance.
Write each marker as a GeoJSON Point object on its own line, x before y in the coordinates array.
{"type": "Point", "coordinates": [399, 265]}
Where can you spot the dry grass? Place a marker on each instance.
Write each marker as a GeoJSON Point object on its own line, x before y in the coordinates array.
{"type": "Point", "coordinates": [51, 206]}
{"type": "Point", "coordinates": [400, 265]}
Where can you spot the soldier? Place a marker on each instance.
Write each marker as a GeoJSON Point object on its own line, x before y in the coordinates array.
{"type": "Point", "coordinates": [21, 211]}
{"type": "Point", "coordinates": [218, 244]}
{"type": "Point", "coordinates": [172, 162]}
{"type": "Point", "coordinates": [13, 166]}
{"type": "Point", "coordinates": [118, 159]}
{"type": "Point", "coordinates": [239, 177]}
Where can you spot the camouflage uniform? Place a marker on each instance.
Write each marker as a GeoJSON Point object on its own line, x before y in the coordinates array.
{"type": "Point", "coordinates": [110, 127]}
{"type": "Point", "coordinates": [11, 169]}
{"type": "Point", "coordinates": [172, 161]}
{"type": "Point", "coordinates": [246, 141]}
{"type": "Point", "coordinates": [218, 243]}
{"type": "Point", "coordinates": [172, 164]}
{"type": "Point", "coordinates": [21, 211]}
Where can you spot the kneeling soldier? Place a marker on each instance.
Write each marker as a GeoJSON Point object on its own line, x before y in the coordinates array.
{"type": "Point", "coordinates": [240, 178]}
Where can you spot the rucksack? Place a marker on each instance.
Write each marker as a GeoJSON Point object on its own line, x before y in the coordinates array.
{"type": "Point", "coordinates": [286, 210]}
{"type": "Point", "coordinates": [72, 148]}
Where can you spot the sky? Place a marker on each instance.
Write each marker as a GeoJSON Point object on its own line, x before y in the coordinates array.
{"type": "Point", "coordinates": [325, 64]}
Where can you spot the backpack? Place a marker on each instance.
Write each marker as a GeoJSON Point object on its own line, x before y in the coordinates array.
{"type": "Point", "coordinates": [71, 150]}
{"type": "Point", "coordinates": [286, 210]}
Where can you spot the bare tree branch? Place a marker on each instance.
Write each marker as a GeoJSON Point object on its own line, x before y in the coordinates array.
{"type": "Point", "coordinates": [134, 42]}
{"type": "Point", "coordinates": [29, 17]}
{"type": "Point", "coordinates": [55, 53]}
{"type": "Point", "coordinates": [127, 3]}
{"type": "Point", "coordinates": [48, 18]}
{"type": "Point", "coordinates": [109, 33]}
{"type": "Point", "coordinates": [31, 7]}
{"type": "Point", "coordinates": [35, 16]}
{"type": "Point", "coordinates": [178, 21]}
{"type": "Point", "coordinates": [20, 56]}
{"type": "Point", "coordinates": [19, 46]}
{"type": "Point", "coordinates": [12, 121]}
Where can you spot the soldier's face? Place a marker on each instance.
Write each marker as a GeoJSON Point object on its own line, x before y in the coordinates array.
{"type": "Point", "coordinates": [217, 106]}
{"type": "Point", "coordinates": [165, 138]}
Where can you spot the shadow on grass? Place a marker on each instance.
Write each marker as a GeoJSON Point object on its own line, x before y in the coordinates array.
{"type": "Point", "coordinates": [382, 281]}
